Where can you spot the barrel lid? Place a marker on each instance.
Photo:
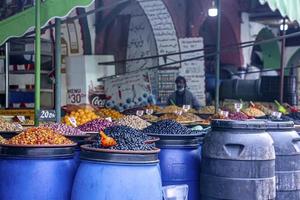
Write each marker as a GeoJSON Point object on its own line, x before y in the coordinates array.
{"type": "Point", "coordinates": [281, 125]}
{"type": "Point", "coordinates": [172, 140]}
{"type": "Point", "coordinates": [36, 151]}
{"type": "Point", "coordinates": [235, 124]}
{"type": "Point", "coordinates": [119, 156]}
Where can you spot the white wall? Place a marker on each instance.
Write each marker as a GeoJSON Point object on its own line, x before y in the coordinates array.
{"type": "Point", "coordinates": [249, 32]}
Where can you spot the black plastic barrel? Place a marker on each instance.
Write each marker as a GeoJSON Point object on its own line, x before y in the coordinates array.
{"type": "Point", "coordinates": [238, 162]}
{"type": "Point", "coordinates": [240, 89]}
{"type": "Point", "coordinates": [271, 84]}
{"type": "Point", "coordinates": [287, 149]}
{"type": "Point", "coordinates": [270, 89]}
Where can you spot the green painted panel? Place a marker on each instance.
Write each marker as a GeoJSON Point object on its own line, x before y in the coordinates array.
{"type": "Point", "coordinates": [270, 51]}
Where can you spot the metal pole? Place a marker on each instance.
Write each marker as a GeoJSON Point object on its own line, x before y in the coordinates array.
{"type": "Point", "coordinates": [58, 69]}
{"type": "Point", "coordinates": [6, 74]}
{"type": "Point", "coordinates": [37, 67]}
{"type": "Point", "coordinates": [282, 63]}
{"type": "Point", "coordinates": [218, 56]}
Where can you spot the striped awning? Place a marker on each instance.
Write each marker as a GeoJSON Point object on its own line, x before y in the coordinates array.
{"type": "Point", "coordinates": [17, 25]}
{"type": "Point", "coordinates": [287, 8]}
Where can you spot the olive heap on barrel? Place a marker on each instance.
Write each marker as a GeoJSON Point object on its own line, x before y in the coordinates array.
{"type": "Point", "coordinates": [127, 139]}
{"type": "Point", "coordinates": [39, 136]}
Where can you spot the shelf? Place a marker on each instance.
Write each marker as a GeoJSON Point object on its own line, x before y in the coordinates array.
{"type": "Point", "coordinates": [28, 72]}
{"type": "Point", "coordinates": [19, 53]}
{"type": "Point", "coordinates": [47, 90]}
{"type": "Point", "coordinates": [25, 90]}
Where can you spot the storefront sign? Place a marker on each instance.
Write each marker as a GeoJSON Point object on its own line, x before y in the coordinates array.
{"type": "Point", "coordinates": [128, 91]}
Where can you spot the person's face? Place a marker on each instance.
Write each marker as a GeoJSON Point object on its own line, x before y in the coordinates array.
{"type": "Point", "coordinates": [180, 85]}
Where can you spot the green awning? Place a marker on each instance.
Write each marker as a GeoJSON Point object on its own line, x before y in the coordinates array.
{"type": "Point", "coordinates": [287, 8]}
{"type": "Point", "coordinates": [17, 25]}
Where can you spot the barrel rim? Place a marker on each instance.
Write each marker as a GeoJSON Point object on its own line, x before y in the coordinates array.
{"type": "Point", "coordinates": [176, 136]}
{"type": "Point", "coordinates": [118, 156]}
{"type": "Point", "coordinates": [238, 124]}
{"type": "Point", "coordinates": [77, 136]}
{"type": "Point", "coordinates": [34, 151]}
{"type": "Point", "coordinates": [153, 139]}
{"type": "Point", "coordinates": [194, 143]}
{"type": "Point", "coordinates": [279, 125]}
{"type": "Point", "coordinates": [38, 146]}
{"type": "Point", "coordinates": [86, 147]}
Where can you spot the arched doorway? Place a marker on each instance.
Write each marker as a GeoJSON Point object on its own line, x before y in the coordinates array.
{"type": "Point", "coordinates": [266, 56]}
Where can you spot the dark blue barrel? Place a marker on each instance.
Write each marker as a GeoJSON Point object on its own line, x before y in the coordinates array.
{"type": "Point", "coordinates": [117, 175]}
{"type": "Point", "coordinates": [238, 162]}
{"type": "Point", "coordinates": [180, 158]}
{"type": "Point", "coordinates": [80, 140]}
{"type": "Point", "coordinates": [31, 172]}
{"type": "Point", "coordinates": [287, 167]}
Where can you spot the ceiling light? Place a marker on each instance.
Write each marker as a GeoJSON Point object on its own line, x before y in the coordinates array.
{"type": "Point", "coordinates": [284, 27]}
{"type": "Point", "coordinates": [213, 11]}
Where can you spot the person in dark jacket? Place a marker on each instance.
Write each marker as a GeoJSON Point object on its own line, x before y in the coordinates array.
{"type": "Point", "coordinates": [182, 96]}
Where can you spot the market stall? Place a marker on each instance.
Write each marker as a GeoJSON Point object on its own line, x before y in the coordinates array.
{"type": "Point", "coordinates": [119, 144]}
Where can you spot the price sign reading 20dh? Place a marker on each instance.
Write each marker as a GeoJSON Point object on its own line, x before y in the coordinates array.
{"type": "Point", "coordinates": [47, 115]}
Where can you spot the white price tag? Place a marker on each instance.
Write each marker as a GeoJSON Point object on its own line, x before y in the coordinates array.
{"type": "Point", "coordinates": [108, 119]}
{"type": "Point", "coordinates": [149, 111]}
{"type": "Point", "coordinates": [277, 115]}
{"type": "Point", "coordinates": [21, 118]}
{"type": "Point", "coordinates": [73, 121]}
{"type": "Point", "coordinates": [139, 113]}
{"type": "Point", "coordinates": [178, 112]}
{"type": "Point", "coordinates": [186, 108]}
{"type": "Point", "coordinates": [224, 113]}
{"type": "Point", "coordinates": [238, 106]}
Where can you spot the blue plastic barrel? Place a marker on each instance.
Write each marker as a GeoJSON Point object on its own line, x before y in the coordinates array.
{"type": "Point", "coordinates": [180, 158]}
{"type": "Point", "coordinates": [117, 175]}
{"type": "Point", "coordinates": [28, 172]}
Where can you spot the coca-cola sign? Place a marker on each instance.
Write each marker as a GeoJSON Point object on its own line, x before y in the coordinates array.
{"type": "Point", "coordinates": [97, 100]}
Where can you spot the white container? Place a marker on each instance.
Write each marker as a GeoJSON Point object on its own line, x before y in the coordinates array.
{"type": "Point", "coordinates": [82, 74]}
{"type": "Point", "coordinates": [175, 192]}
